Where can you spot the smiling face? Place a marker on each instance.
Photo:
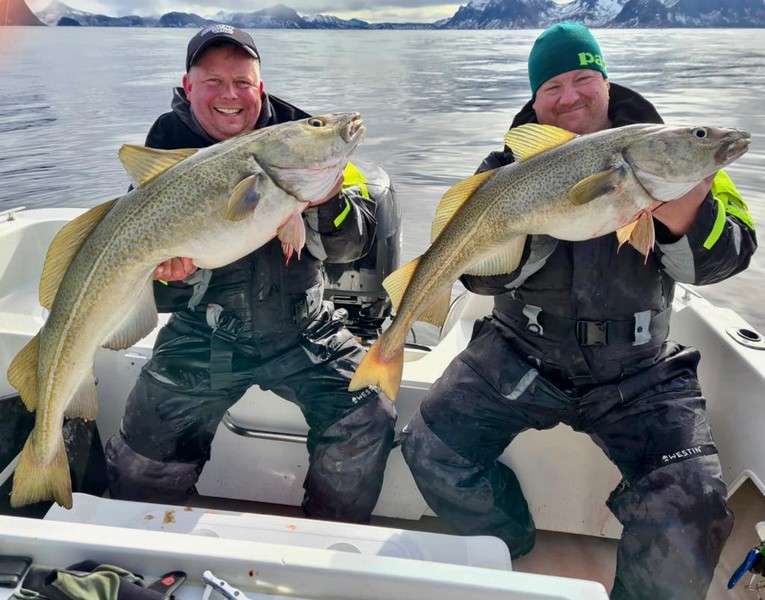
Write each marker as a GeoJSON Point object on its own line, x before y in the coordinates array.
{"type": "Point", "coordinates": [576, 101]}
{"type": "Point", "coordinates": [224, 89]}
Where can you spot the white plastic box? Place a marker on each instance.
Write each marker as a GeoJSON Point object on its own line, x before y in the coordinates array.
{"type": "Point", "coordinates": [267, 571]}
{"type": "Point", "coordinates": [479, 551]}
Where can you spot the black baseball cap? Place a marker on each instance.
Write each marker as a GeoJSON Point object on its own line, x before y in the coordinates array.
{"type": "Point", "coordinates": [219, 33]}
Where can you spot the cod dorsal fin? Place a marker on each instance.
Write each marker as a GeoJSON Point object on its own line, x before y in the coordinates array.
{"type": "Point", "coordinates": [455, 197]}
{"type": "Point", "coordinates": [531, 139]}
{"type": "Point", "coordinates": [22, 373]}
{"type": "Point", "coordinates": [144, 164]}
{"type": "Point", "coordinates": [64, 247]}
{"type": "Point", "coordinates": [397, 282]}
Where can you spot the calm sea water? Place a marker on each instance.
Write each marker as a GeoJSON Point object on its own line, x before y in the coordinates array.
{"type": "Point", "coordinates": [435, 103]}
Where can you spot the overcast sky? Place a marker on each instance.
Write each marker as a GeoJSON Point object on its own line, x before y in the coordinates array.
{"type": "Point", "coordinates": [375, 11]}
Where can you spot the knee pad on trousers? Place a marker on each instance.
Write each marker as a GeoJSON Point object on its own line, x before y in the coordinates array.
{"type": "Point", "coordinates": [676, 522]}
{"type": "Point", "coordinates": [349, 455]}
{"type": "Point", "coordinates": [420, 445]}
{"type": "Point", "coordinates": [136, 477]}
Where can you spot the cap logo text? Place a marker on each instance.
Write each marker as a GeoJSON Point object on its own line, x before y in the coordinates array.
{"type": "Point", "coordinates": [218, 28]}
{"type": "Point", "coordinates": [588, 58]}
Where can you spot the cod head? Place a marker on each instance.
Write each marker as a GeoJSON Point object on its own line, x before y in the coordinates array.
{"type": "Point", "coordinates": [307, 157]}
{"type": "Point", "coordinates": [670, 161]}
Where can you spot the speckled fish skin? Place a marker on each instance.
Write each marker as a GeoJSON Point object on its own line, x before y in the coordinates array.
{"type": "Point", "coordinates": [182, 212]}
{"type": "Point", "coordinates": [533, 196]}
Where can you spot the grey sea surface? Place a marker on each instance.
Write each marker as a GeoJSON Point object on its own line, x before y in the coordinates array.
{"type": "Point", "coordinates": [435, 103]}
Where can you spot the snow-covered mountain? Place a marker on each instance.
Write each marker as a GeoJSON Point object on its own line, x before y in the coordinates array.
{"type": "Point", "coordinates": [58, 13]}
{"type": "Point", "coordinates": [51, 14]}
{"type": "Point", "coordinates": [330, 22]}
{"type": "Point", "coordinates": [476, 14]}
{"type": "Point", "coordinates": [519, 14]}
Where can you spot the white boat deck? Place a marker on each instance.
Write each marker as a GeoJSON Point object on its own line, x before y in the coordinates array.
{"type": "Point", "coordinates": [567, 483]}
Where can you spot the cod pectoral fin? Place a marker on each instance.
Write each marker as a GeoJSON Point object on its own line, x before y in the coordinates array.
{"type": "Point", "coordinates": [64, 247]}
{"type": "Point", "coordinates": [245, 197]}
{"type": "Point", "coordinates": [22, 373]}
{"type": "Point", "coordinates": [35, 481]}
{"type": "Point", "coordinates": [531, 139]}
{"type": "Point", "coordinates": [455, 197]}
{"type": "Point", "coordinates": [597, 185]}
{"type": "Point", "coordinates": [377, 371]}
{"type": "Point", "coordinates": [292, 235]}
{"type": "Point", "coordinates": [144, 164]}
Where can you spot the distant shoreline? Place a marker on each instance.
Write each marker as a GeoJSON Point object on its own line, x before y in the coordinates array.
{"type": "Point", "coordinates": [475, 15]}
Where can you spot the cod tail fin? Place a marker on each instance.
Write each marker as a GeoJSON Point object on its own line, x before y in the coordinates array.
{"type": "Point", "coordinates": [35, 481]}
{"type": "Point", "coordinates": [376, 370]}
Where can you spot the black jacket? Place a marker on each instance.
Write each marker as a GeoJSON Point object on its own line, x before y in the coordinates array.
{"type": "Point", "coordinates": [591, 281]}
{"type": "Point", "coordinates": [274, 300]}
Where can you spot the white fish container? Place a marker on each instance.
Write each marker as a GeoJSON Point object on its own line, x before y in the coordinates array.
{"type": "Point", "coordinates": [265, 571]}
{"type": "Point", "coordinates": [478, 551]}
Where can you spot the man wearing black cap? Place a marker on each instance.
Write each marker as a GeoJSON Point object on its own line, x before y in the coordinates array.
{"type": "Point", "coordinates": [578, 335]}
{"type": "Point", "coordinates": [258, 321]}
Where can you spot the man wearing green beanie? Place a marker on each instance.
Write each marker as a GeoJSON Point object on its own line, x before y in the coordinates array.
{"type": "Point", "coordinates": [578, 335]}
{"type": "Point", "coordinates": [568, 79]}
{"type": "Point", "coordinates": [562, 48]}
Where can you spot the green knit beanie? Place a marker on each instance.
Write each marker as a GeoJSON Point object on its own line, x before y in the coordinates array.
{"type": "Point", "coordinates": [561, 48]}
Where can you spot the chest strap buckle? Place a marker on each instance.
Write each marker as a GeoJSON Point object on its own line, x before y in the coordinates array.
{"type": "Point", "coordinates": [227, 327]}
{"type": "Point", "coordinates": [592, 333]}
{"type": "Point", "coordinates": [533, 325]}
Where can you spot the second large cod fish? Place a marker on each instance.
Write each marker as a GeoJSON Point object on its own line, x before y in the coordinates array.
{"type": "Point", "coordinates": [566, 186]}
{"type": "Point", "coordinates": [213, 205]}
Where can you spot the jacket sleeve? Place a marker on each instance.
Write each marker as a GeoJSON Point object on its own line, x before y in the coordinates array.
{"type": "Point", "coordinates": [720, 243]}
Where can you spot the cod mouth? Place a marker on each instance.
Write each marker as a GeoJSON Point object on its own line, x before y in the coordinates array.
{"type": "Point", "coordinates": [734, 149]}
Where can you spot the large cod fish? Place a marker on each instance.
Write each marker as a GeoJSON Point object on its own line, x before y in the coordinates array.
{"type": "Point", "coordinates": [566, 186]}
{"type": "Point", "coordinates": [212, 205]}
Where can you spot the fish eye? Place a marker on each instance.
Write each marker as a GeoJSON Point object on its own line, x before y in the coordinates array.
{"type": "Point", "coordinates": [316, 122]}
{"type": "Point", "coordinates": [700, 133]}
